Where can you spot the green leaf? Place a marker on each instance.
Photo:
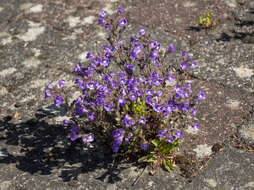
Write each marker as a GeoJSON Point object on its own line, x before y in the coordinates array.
{"type": "Point", "coordinates": [168, 165]}
{"type": "Point", "coordinates": [151, 159]}
{"type": "Point", "coordinates": [155, 142]}
{"type": "Point", "coordinates": [200, 20]}
{"type": "Point", "coordinates": [144, 158]}
{"type": "Point", "coordinates": [167, 149]}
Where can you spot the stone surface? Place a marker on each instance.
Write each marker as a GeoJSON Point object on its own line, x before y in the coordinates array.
{"type": "Point", "coordinates": [229, 169]}
{"type": "Point", "coordinates": [41, 42]}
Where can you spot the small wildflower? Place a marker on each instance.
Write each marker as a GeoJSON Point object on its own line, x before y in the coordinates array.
{"type": "Point", "coordinates": [61, 83]}
{"type": "Point", "coordinates": [122, 22]}
{"type": "Point", "coordinates": [142, 32]}
{"type": "Point", "coordinates": [162, 133]}
{"type": "Point", "coordinates": [142, 120]}
{"type": "Point", "coordinates": [65, 122]}
{"type": "Point", "coordinates": [91, 116]}
{"type": "Point", "coordinates": [88, 138]}
{"type": "Point", "coordinates": [121, 10]}
{"type": "Point", "coordinates": [102, 14]}
{"type": "Point", "coordinates": [201, 95]}
{"type": "Point", "coordinates": [195, 126]}
{"type": "Point", "coordinates": [127, 121]}
{"type": "Point", "coordinates": [170, 139]}
{"type": "Point", "coordinates": [179, 134]}
{"type": "Point", "coordinates": [144, 146]}
{"type": "Point", "coordinates": [47, 94]}
{"type": "Point", "coordinates": [184, 65]}
{"type": "Point", "coordinates": [132, 96]}
{"type": "Point", "coordinates": [50, 86]}
{"type": "Point", "coordinates": [171, 48]}
{"type": "Point", "coordinates": [74, 133]}
{"type": "Point", "coordinates": [58, 100]}
{"type": "Point", "coordinates": [193, 64]}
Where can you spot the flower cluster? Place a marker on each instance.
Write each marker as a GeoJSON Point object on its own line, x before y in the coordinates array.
{"type": "Point", "coordinates": [144, 111]}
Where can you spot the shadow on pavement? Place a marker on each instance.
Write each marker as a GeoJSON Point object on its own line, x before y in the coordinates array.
{"type": "Point", "coordinates": [39, 150]}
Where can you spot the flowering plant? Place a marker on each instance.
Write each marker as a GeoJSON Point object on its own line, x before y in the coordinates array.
{"type": "Point", "coordinates": [129, 99]}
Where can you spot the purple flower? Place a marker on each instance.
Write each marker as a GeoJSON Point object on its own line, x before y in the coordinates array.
{"type": "Point", "coordinates": [187, 85]}
{"type": "Point", "coordinates": [162, 133]}
{"type": "Point", "coordinates": [159, 93]}
{"type": "Point", "coordinates": [114, 84]}
{"type": "Point", "coordinates": [193, 64]}
{"type": "Point", "coordinates": [91, 85]}
{"type": "Point", "coordinates": [154, 55]}
{"type": "Point", "coordinates": [178, 88]}
{"type": "Point", "coordinates": [88, 138]}
{"type": "Point", "coordinates": [184, 65]}
{"type": "Point", "coordinates": [50, 86]}
{"type": "Point", "coordinates": [121, 101]}
{"type": "Point", "coordinates": [120, 43]}
{"type": "Point", "coordinates": [101, 21]}
{"type": "Point", "coordinates": [171, 77]}
{"type": "Point", "coordinates": [108, 107]}
{"type": "Point", "coordinates": [158, 108]}
{"type": "Point", "coordinates": [149, 100]}
{"type": "Point", "coordinates": [136, 52]}
{"type": "Point", "coordinates": [104, 62]}
{"type": "Point", "coordinates": [65, 122]}
{"type": "Point", "coordinates": [80, 109]}
{"type": "Point", "coordinates": [78, 81]}
{"type": "Point", "coordinates": [61, 83]}
{"type": "Point", "coordinates": [129, 136]}
{"type": "Point", "coordinates": [184, 54]}
{"type": "Point", "coordinates": [91, 116]}
{"type": "Point", "coordinates": [195, 126]}
{"type": "Point", "coordinates": [108, 27]}
{"type": "Point", "coordinates": [171, 48]}
{"type": "Point", "coordinates": [142, 120]}
{"type": "Point", "coordinates": [89, 55]}
{"type": "Point", "coordinates": [118, 133]}
{"type": "Point", "coordinates": [122, 22]}
{"type": "Point", "coordinates": [102, 14]}
{"type": "Point", "coordinates": [142, 32]}
{"type": "Point", "coordinates": [149, 92]}
{"type": "Point", "coordinates": [169, 109]}
{"type": "Point", "coordinates": [116, 145]}
{"type": "Point", "coordinates": [139, 92]}
{"type": "Point", "coordinates": [127, 121]}
{"type": "Point", "coordinates": [121, 10]}
{"type": "Point", "coordinates": [179, 134]}
{"type": "Point", "coordinates": [144, 146]}
{"type": "Point", "coordinates": [184, 106]}
{"type": "Point", "coordinates": [58, 100]}
{"type": "Point", "coordinates": [156, 80]}
{"type": "Point", "coordinates": [47, 94]}
{"type": "Point", "coordinates": [201, 95]}
{"type": "Point", "coordinates": [74, 133]}
{"type": "Point", "coordinates": [77, 68]}
{"type": "Point", "coordinates": [123, 92]}
{"type": "Point", "coordinates": [100, 101]}
{"type": "Point", "coordinates": [193, 111]}
{"type": "Point", "coordinates": [170, 139]}
{"type": "Point", "coordinates": [153, 44]}
{"type": "Point", "coordinates": [129, 67]}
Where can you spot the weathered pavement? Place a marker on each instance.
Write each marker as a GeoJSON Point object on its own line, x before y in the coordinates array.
{"type": "Point", "coordinates": [41, 41]}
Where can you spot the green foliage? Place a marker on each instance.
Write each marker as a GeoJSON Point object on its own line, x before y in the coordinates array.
{"type": "Point", "coordinates": [139, 107]}
{"type": "Point", "coordinates": [207, 21]}
{"type": "Point", "coordinates": [161, 153]}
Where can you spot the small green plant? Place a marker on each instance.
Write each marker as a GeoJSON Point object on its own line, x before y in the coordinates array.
{"type": "Point", "coordinates": [206, 22]}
